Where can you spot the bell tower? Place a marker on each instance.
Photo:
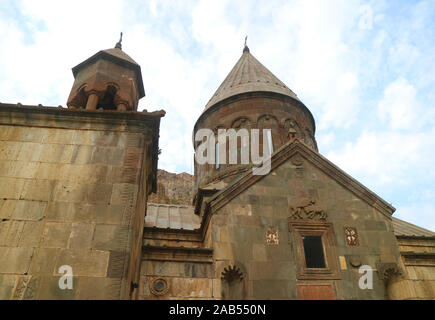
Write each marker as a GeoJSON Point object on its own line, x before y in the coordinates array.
{"type": "Point", "coordinates": [109, 80]}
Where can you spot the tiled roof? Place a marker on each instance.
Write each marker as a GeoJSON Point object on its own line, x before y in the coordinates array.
{"type": "Point", "coordinates": [171, 216]}
{"type": "Point", "coordinates": [120, 54]}
{"type": "Point", "coordinates": [249, 75]}
{"type": "Point", "coordinates": [403, 228]}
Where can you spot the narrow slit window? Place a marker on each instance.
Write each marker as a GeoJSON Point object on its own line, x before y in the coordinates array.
{"type": "Point", "coordinates": [217, 155]}
{"type": "Point", "coordinates": [269, 141]}
{"type": "Point", "coordinates": [313, 248]}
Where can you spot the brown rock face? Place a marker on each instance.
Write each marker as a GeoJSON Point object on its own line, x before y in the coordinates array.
{"type": "Point", "coordinates": [173, 188]}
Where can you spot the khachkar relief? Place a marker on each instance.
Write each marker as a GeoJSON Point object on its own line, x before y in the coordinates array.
{"type": "Point", "coordinates": [307, 208]}
{"type": "Point", "coordinates": [272, 236]}
{"type": "Point", "coordinates": [351, 236]}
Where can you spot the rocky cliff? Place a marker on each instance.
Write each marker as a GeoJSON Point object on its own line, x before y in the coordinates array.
{"type": "Point", "coordinates": [173, 188]}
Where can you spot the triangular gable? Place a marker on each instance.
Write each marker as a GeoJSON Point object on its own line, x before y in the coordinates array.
{"type": "Point", "coordinates": [286, 152]}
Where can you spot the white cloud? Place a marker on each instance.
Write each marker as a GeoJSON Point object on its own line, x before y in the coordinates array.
{"type": "Point", "coordinates": [399, 107]}
{"type": "Point", "coordinates": [325, 140]}
{"type": "Point", "coordinates": [387, 158]}
{"type": "Point", "coordinates": [418, 213]}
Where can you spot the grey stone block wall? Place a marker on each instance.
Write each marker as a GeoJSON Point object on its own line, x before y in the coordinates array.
{"type": "Point", "coordinates": [238, 233]}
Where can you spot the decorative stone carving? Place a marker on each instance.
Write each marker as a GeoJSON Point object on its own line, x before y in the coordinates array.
{"type": "Point", "coordinates": [232, 273]}
{"type": "Point", "coordinates": [388, 270]}
{"type": "Point", "coordinates": [297, 160]}
{"type": "Point", "coordinates": [289, 123]}
{"type": "Point", "coordinates": [307, 208]}
{"type": "Point", "coordinates": [293, 129]}
{"type": "Point", "coordinates": [267, 121]}
{"type": "Point", "coordinates": [351, 236]}
{"type": "Point", "coordinates": [233, 284]}
{"type": "Point", "coordinates": [159, 287]}
{"type": "Point", "coordinates": [272, 236]}
{"type": "Point", "coordinates": [242, 122]}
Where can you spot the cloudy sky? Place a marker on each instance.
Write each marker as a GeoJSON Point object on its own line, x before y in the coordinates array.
{"type": "Point", "coordinates": [365, 69]}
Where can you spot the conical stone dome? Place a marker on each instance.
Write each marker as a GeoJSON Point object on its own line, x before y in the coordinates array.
{"type": "Point", "coordinates": [249, 75]}
{"type": "Point", "coordinates": [251, 97]}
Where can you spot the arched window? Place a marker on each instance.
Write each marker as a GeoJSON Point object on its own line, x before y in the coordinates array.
{"type": "Point", "coordinates": [107, 102]}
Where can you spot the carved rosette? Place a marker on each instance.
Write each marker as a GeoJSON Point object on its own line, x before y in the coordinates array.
{"type": "Point", "coordinates": [297, 160]}
{"type": "Point", "coordinates": [159, 287]}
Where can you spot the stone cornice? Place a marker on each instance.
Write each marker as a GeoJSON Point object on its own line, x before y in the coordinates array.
{"type": "Point", "coordinates": [183, 254]}
{"type": "Point", "coordinates": [147, 123]}
{"type": "Point", "coordinates": [17, 114]}
{"type": "Point", "coordinates": [156, 233]}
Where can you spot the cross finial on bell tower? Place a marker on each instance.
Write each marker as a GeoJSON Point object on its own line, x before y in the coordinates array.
{"type": "Point", "coordinates": [245, 48]}
{"type": "Point", "coordinates": [119, 45]}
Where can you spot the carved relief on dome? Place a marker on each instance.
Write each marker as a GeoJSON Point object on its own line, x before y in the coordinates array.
{"type": "Point", "coordinates": [292, 128]}
{"type": "Point", "coordinates": [241, 122]}
{"type": "Point", "coordinates": [267, 121]}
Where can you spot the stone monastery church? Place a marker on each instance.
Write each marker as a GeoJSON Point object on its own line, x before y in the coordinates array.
{"type": "Point", "coordinates": [76, 223]}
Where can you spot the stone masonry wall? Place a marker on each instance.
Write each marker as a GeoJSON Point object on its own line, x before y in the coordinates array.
{"type": "Point", "coordinates": [417, 281]}
{"type": "Point", "coordinates": [185, 280]}
{"type": "Point", "coordinates": [67, 197]}
{"type": "Point", "coordinates": [239, 235]}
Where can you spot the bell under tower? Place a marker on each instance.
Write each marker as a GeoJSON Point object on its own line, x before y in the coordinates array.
{"type": "Point", "coordinates": [109, 80]}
